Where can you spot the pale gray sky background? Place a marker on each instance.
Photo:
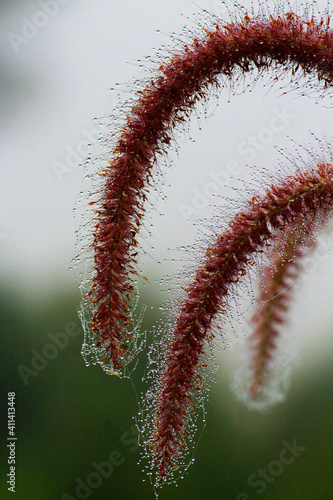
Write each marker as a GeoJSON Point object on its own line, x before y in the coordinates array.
{"type": "Point", "coordinates": [57, 81]}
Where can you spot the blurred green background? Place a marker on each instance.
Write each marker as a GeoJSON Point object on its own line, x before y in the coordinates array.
{"type": "Point", "coordinates": [69, 416]}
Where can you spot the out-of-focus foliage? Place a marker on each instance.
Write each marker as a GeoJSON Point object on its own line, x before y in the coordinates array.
{"type": "Point", "coordinates": [69, 416]}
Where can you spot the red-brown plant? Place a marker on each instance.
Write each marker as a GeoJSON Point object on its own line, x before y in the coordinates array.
{"type": "Point", "coordinates": [309, 194]}
{"type": "Point", "coordinates": [274, 299]}
{"type": "Point", "coordinates": [255, 42]}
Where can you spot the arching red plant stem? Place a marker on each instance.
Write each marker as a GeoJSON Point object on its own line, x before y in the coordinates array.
{"type": "Point", "coordinates": [309, 194]}
{"type": "Point", "coordinates": [273, 303]}
{"type": "Point", "coordinates": [164, 102]}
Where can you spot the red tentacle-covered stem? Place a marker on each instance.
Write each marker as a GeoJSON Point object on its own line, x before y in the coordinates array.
{"type": "Point", "coordinates": [308, 194]}
{"type": "Point", "coordinates": [279, 279]}
{"type": "Point", "coordinates": [164, 102]}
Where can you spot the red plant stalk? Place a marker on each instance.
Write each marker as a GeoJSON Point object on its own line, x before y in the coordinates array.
{"type": "Point", "coordinates": [254, 42]}
{"type": "Point", "coordinates": [309, 194]}
{"type": "Point", "coordinates": [274, 299]}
